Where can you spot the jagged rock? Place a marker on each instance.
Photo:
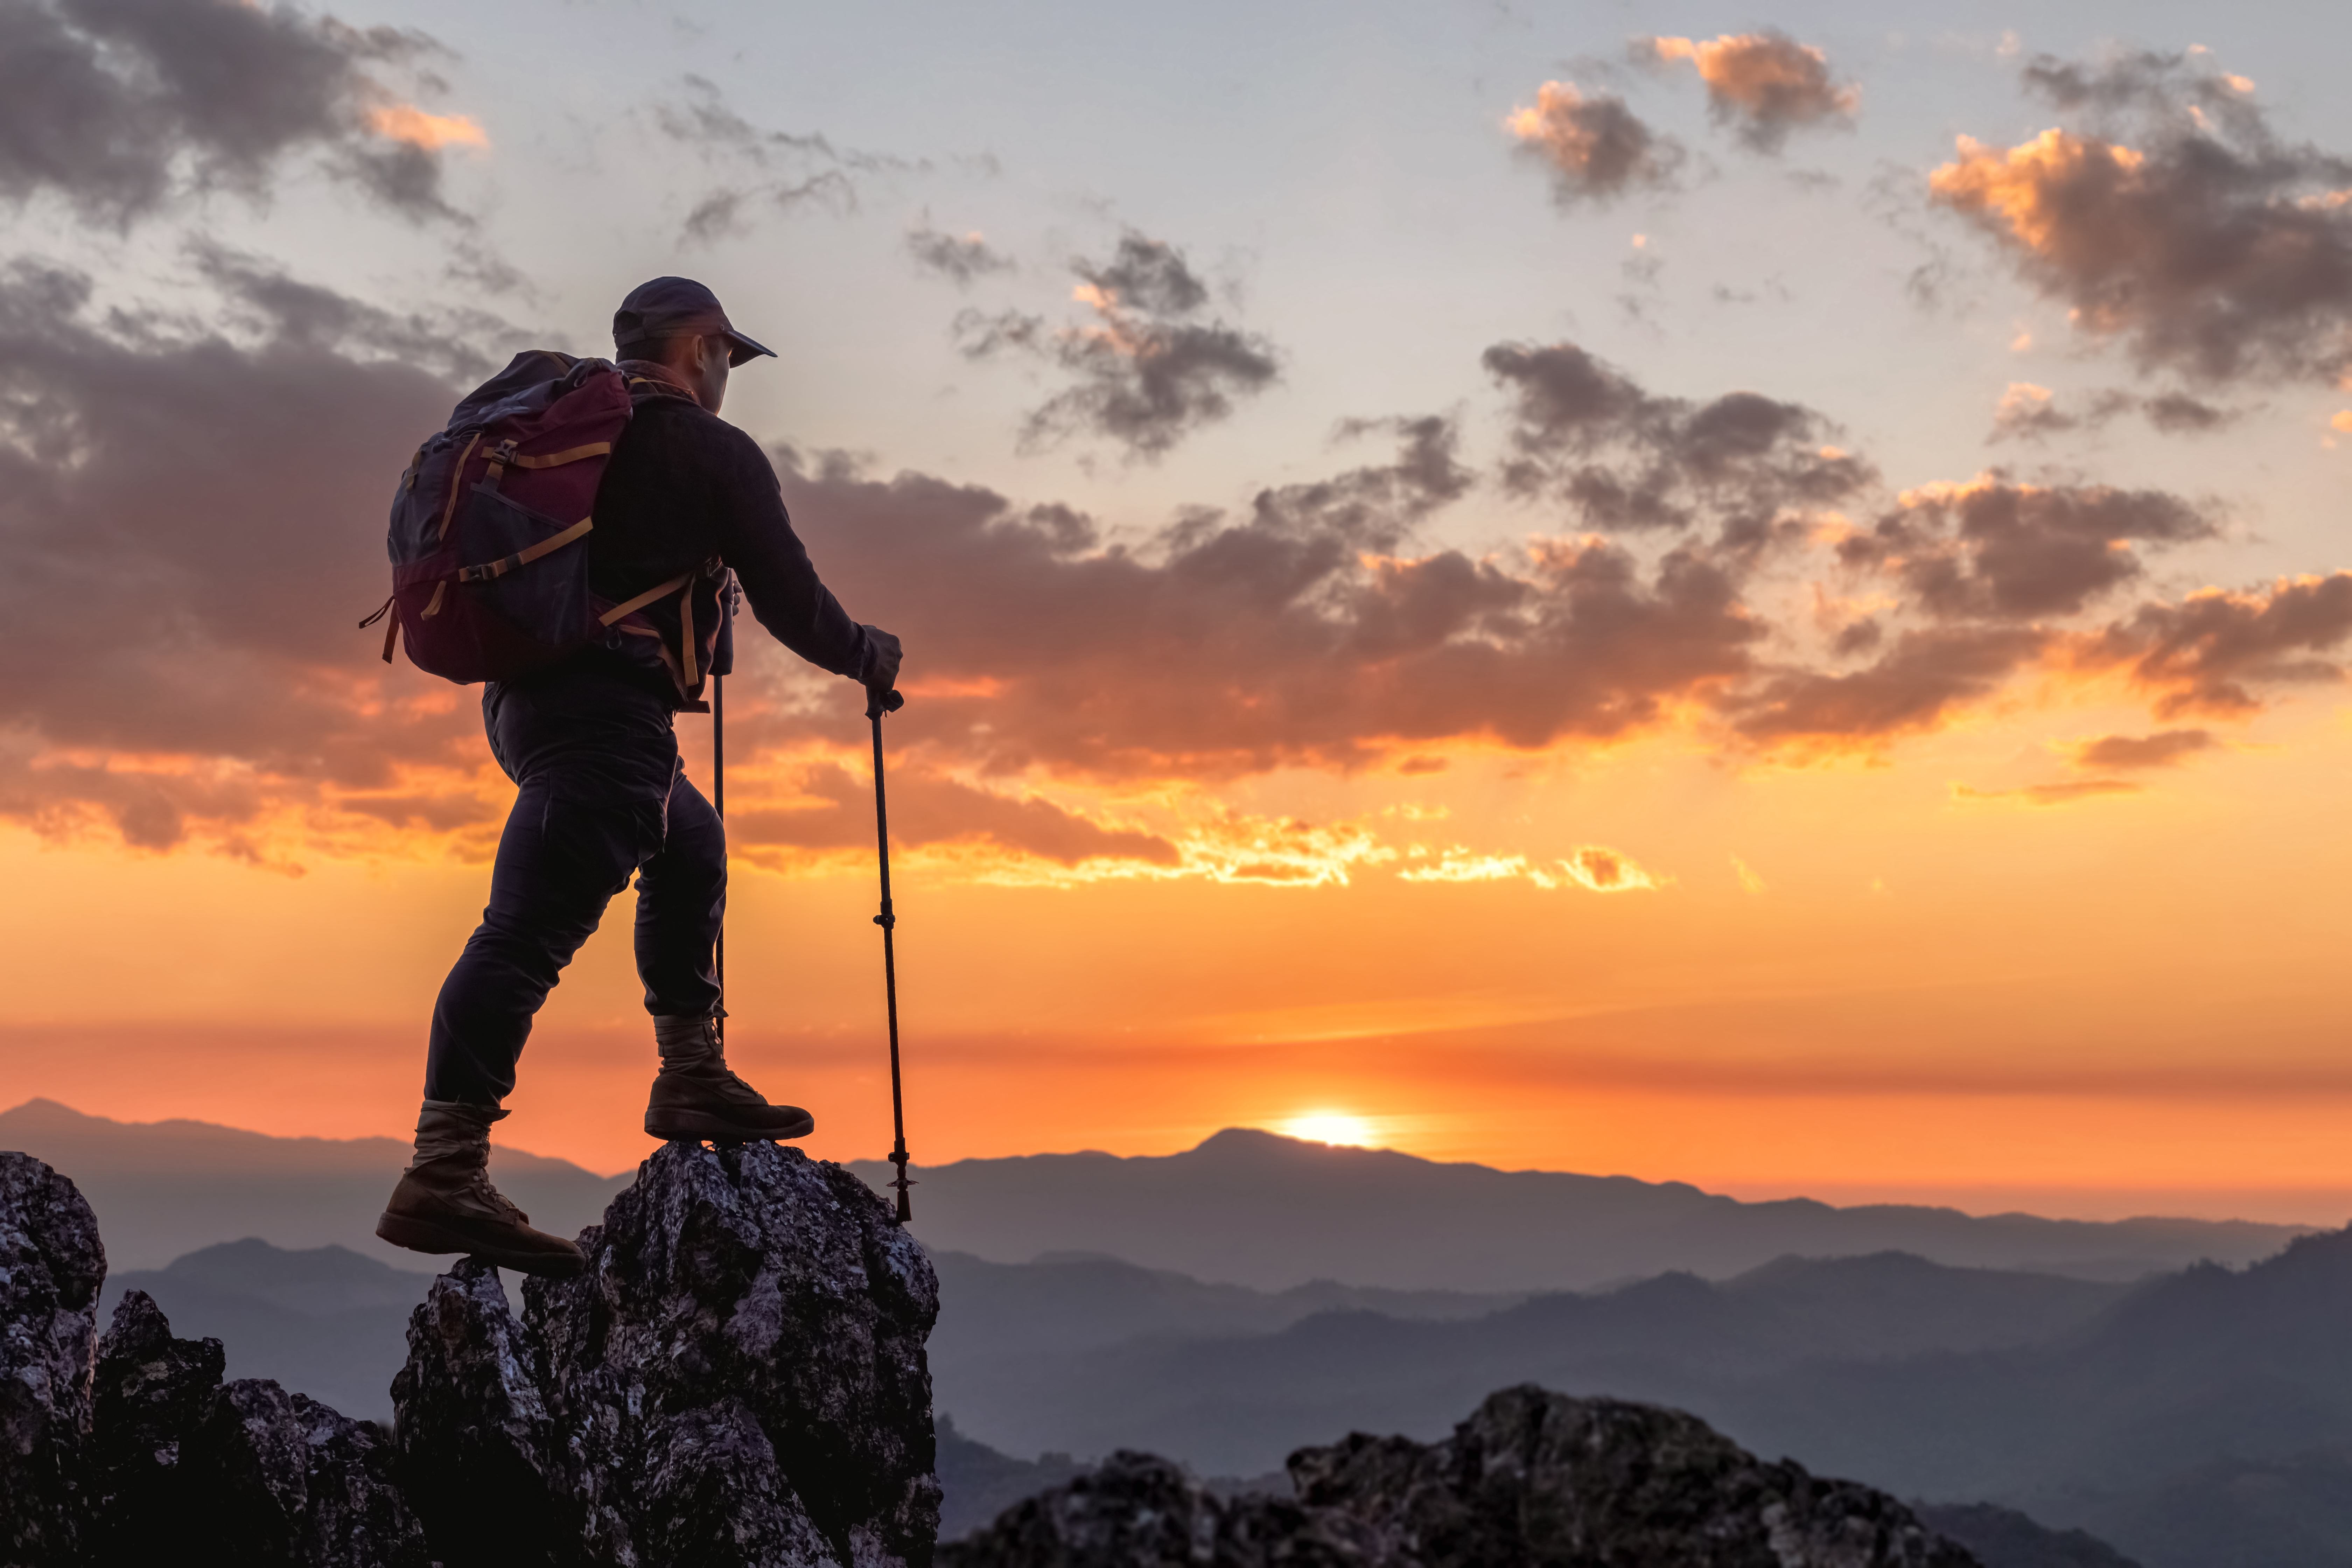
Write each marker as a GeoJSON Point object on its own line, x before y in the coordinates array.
{"type": "Point", "coordinates": [738, 1377]}
{"type": "Point", "coordinates": [152, 1396]}
{"type": "Point", "coordinates": [1532, 1477]}
{"type": "Point", "coordinates": [51, 1266]}
{"type": "Point", "coordinates": [294, 1484]}
{"type": "Point", "coordinates": [479, 1453]}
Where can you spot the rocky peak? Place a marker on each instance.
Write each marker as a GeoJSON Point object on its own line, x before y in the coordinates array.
{"type": "Point", "coordinates": [1531, 1477]}
{"type": "Point", "coordinates": [738, 1378]}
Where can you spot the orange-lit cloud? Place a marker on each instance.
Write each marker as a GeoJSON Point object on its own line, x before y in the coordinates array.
{"type": "Point", "coordinates": [2205, 653]}
{"type": "Point", "coordinates": [1764, 85]}
{"type": "Point", "coordinates": [1595, 148]}
{"type": "Point", "coordinates": [2207, 244]}
{"type": "Point", "coordinates": [2164, 749]}
{"type": "Point", "coordinates": [1590, 867]}
{"type": "Point", "coordinates": [406, 124]}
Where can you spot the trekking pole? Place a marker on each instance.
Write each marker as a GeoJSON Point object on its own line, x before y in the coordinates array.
{"type": "Point", "coordinates": [719, 808]}
{"type": "Point", "coordinates": [877, 704]}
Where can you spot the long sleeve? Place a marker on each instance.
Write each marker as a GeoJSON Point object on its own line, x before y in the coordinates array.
{"type": "Point", "coordinates": [755, 537]}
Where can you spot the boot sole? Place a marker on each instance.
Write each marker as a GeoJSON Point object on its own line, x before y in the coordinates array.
{"type": "Point", "coordinates": [425, 1236]}
{"type": "Point", "coordinates": [694, 1126]}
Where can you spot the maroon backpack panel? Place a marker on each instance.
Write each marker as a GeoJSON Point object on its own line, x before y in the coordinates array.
{"type": "Point", "coordinates": [488, 581]}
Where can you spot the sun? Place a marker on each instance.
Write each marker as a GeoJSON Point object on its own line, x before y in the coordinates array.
{"type": "Point", "coordinates": [1329, 1127]}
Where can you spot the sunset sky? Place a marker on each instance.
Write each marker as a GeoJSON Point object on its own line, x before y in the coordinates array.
{"type": "Point", "coordinates": [1753, 597]}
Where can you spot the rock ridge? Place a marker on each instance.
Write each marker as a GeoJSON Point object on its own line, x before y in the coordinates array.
{"type": "Point", "coordinates": [1532, 1477]}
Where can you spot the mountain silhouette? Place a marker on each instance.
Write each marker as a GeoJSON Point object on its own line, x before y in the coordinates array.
{"type": "Point", "coordinates": [164, 1189]}
{"type": "Point", "coordinates": [1253, 1208]}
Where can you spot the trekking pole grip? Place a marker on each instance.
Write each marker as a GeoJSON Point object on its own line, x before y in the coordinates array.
{"type": "Point", "coordinates": [880, 702]}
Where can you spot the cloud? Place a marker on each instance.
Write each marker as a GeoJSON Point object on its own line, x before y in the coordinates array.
{"type": "Point", "coordinates": [1595, 148]}
{"type": "Point", "coordinates": [1996, 550]}
{"type": "Point", "coordinates": [777, 171]}
{"type": "Point", "coordinates": [1593, 868]}
{"type": "Point", "coordinates": [1763, 85]}
{"type": "Point", "coordinates": [961, 257]}
{"type": "Point", "coordinates": [192, 520]}
{"type": "Point", "coordinates": [1147, 370]}
{"type": "Point", "coordinates": [1305, 630]}
{"type": "Point", "coordinates": [831, 807]}
{"type": "Point", "coordinates": [1623, 460]}
{"type": "Point", "coordinates": [120, 106]}
{"type": "Point", "coordinates": [2164, 749]}
{"type": "Point", "coordinates": [2064, 793]}
{"type": "Point", "coordinates": [1920, 683]}
{"type": "Point", "coordinates": [2210, 247]}
{"type": "Point", "coordinates": [2030, 413]}
{"type": "Point", "coordinates": [2203, 654]}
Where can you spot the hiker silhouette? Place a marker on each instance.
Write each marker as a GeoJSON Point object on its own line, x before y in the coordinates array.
{"type": "Point", "coordinates": [594, 633]}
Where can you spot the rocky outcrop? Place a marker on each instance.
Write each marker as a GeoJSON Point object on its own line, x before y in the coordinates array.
{"type": "Point", "coordinates": [51, 1266]}
{"type": "Point", "coordinates": [261, 1476]}
{"type": "Point", "coordinates": [1532, 1477]}
{"type": "Point", "coordinates": [738, 1377]}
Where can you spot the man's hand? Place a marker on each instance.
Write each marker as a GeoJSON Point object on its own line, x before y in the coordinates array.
{"type": "Point", "coordinates": [883, 655]}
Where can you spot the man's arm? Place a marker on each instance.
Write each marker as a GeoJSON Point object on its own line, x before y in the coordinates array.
{"type": "Point", "coordinates": [756, 537]}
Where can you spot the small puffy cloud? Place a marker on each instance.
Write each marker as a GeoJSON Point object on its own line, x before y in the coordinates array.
{"type": "Point", "coordinates": [1996, 550]}
{"type": "Point", "coordinates": [961, 257]}
{"type": "Point", "coordinates": [118, 105]}
{"type": "Point", "coordinates": [2204, 654]}
{"type": "Point", "coordinates": [1147, 368]}
{"type": "Point", "coordinates": [1763, 85]}
{"type": "Point", "coordinates": [2030, 413]}
{"type": "Point", "coordinates": [2178, 222]}
{"type": "Point", "coordinates": [1623, 460]}
{"type": "Point", "coordinates": [1595, 148]}
{"type": "Point", "coordinates": [2164, 749]}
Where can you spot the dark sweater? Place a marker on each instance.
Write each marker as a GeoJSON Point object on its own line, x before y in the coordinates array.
{"type": "Point", "coordinates": [684, 486]}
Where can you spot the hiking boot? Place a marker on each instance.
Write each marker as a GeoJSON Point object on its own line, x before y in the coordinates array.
{"type": "Point", "coordinates": [445, 1202]}
{"type": "Point", "coordinates": [695, 1097]}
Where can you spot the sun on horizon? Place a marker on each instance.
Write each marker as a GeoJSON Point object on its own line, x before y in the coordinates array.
{"type": "Point", "coordinates": [1337, 1127]}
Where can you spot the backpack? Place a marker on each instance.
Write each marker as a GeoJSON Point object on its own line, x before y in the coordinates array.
{"type": "Point", "coordinates": [485, 582]}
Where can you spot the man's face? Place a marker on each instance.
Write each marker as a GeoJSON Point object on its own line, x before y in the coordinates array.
{"type": "Point", "coordinates": [706, 371]}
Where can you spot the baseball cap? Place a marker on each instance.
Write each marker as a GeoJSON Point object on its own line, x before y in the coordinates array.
{"type": "Point", "coordinates": [674, 307]}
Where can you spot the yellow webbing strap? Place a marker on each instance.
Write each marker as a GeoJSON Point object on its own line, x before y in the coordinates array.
{"type": "Point", "coordinates": [457, 477]}
{"type": "Point", "coordinates": [568, 455]}
{"type": "Point", "coordinates": [686, 635]}
{"type": "Point", "coordinates": [525, 557]}
{"type": "Point", "coordinates": [440, 591]}
{"type": "Point", "coordinates": [647, 597]}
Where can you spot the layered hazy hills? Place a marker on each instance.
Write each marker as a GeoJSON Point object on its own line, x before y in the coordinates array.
{"type": "Point", "coordinates": [162, 1189]}
{"type": "Point", "coordinates": [1256, 1209]}
{"type": "Point", "coordinates": [1245, 1208]}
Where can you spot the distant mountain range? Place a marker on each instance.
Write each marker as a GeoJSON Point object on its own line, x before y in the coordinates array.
{"type": "Point", "coordinates": [1252, 1208]}
{"type": "Point", "coordinates": [2199, 1418]}
{"type": "Point", "coordinates": [323, 1321]}
{"type": "Point", "coordinates": [1243, 1208]}
{"type": "Point", "coordinates": [162, 1189]}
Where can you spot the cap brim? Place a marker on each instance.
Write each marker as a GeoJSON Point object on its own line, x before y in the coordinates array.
{"type": "Point", "coordinates": [742, 350]}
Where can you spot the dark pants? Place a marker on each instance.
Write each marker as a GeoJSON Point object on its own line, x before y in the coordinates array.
{"type": "Point", "coordinates": [603, 794]}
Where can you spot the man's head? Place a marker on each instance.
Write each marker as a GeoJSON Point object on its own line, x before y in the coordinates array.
{"type": "Point", "coordinates": [677, 322]}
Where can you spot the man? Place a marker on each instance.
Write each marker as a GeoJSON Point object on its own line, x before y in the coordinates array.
{"type": "Point", "coordinates": [602, 794]}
